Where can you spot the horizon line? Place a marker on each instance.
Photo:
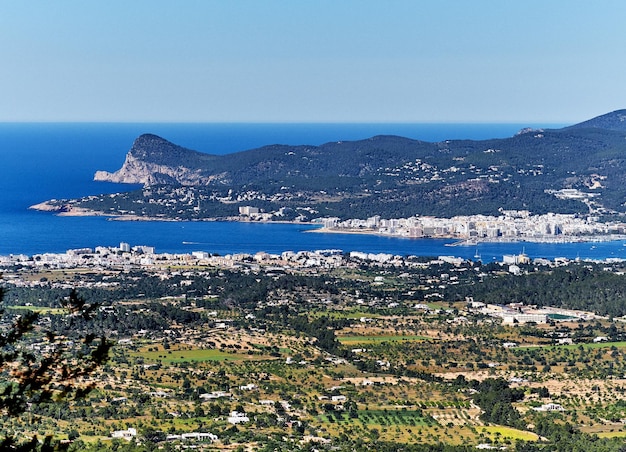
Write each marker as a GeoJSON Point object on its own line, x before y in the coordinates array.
{"type": "Point", "coordinates": [517, 122]}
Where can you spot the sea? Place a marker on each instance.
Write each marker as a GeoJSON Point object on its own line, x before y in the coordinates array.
{"type": "Point", "coordinates": [42, 161]}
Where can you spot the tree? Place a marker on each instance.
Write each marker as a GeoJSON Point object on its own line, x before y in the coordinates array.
{"type": "Point", "coordinates": [38, 366]}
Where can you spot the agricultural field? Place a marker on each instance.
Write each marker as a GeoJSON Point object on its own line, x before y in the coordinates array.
{"type": "Point", "coordinates": [356, 340]}
{"type": "Point", "coordinates": [255, 360]}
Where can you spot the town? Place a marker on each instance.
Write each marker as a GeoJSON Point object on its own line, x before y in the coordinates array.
{"type": "Point", "coordinates": [511, 225]}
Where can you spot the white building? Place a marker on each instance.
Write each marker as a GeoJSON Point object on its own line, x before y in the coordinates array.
{"type": "Point", "coordinates": [550, 407]}
{"type": "Point", "coordinates": [124, 434]}
{"type": "Point", "coordinates": [215, 395]}
{"type": "Point", "coordinates": [248, 210]}
{"type": "Point", "coordinates": [237, 418]}
{"type": "Point", "coordinates": [193, 436]}
{"type": "Point", "coordinates": [510, 318]}
{"type": "Point", "coordinates": [514, 259]}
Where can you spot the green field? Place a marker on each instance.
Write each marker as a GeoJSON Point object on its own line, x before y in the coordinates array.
{"type": "Point", "coordinates": [509, 433]}
{"type": "Point", "coordinates": [179, 356]}
{"type": "Point", "coordinates": [39, 309]}
{"type": "Point", "coordinates": [590, 345]}
{"type": "Point", "coordinates": [604, 345]}
{"type": "Point", "coordinates": [345, 314]}
{"type": "Point", "coordinates": [611, 434]}
{"type": "Point", "coordinates": [352, 340]}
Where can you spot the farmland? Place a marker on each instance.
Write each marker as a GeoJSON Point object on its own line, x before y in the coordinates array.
{"type": "Point", "coordinates": [262, 359]}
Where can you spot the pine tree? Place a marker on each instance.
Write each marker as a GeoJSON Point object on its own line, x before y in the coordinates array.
{"type": "Point", "coordinates": [38, 366]}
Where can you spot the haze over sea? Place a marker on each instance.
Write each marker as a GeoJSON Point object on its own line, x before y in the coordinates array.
{"type": "Point", "coordinates": [43, 161]}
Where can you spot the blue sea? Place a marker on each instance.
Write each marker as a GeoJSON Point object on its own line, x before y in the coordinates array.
{"type": "Point", "coordinates": [41, 161]}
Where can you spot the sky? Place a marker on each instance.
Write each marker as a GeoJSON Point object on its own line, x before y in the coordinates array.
{"type": "Point", "coordinates": [552, 61]}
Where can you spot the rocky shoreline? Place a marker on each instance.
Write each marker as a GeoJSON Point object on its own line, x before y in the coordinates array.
{"type": "Point", "coordinates": [67, 210]}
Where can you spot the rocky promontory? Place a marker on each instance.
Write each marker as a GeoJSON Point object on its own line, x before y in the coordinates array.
{"type": "Point", "coordinates": [153, 160]}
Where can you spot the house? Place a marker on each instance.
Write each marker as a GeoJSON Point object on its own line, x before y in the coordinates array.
{"type": "Point", "coordinates": [286, 405]}
{"type": "Point", "coordinates": [237, 418]}
{"type": "Point", "coordinates": [160, 394]}
{"type": "Point", "coordinates": [124, 434]}
{"type": "Point", "coordinates": [517, 380]}
{"type": "Point", "coordinates": [192, 436]}
{"type": "Point", "coordinates": [197, 436]}
{"type": "Point", "coordinates": [215, 395]}
{"type": "Point", "coordinates": [550, 407]}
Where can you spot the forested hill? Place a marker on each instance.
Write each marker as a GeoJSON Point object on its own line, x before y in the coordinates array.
{"type": "Point", "coordinates": [396, 176]}
{"type": "Point", "coordinates": [610, 121]}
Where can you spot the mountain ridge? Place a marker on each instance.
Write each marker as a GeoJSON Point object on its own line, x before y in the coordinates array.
{"type": "Point", "coordinates": [154, 160]}
{"type": "Point", "coordinates": [615, 120]}
{"type": "Point", "coordinates": [391, 175]}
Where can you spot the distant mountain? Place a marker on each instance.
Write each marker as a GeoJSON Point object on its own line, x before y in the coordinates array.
{"type": "Point", "coordinates": [611, 121]}
{"type": "Point", "coordinates": [576, 169]}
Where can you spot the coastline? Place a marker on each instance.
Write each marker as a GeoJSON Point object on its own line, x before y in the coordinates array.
{"type": "Point", "coordinates": [67, 210]}
{"type": "Point", "coordinates": [460, 241]}
{"type": "Point", "coordinates": [324, 230]}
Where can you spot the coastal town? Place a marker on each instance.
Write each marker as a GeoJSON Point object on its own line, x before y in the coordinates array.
{"type": "Point", "coordinates": [511, 225]}
{"type": "Point", "coordinates": [127, 258]}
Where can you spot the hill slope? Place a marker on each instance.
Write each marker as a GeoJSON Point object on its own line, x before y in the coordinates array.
{"type": "Point", "coordinates": [387, 175]}
{"type": "Point", "coordinates": [615, 120]}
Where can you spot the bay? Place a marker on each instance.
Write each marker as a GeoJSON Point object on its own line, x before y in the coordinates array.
{"type": "Point", "coordinates": [44, 161]}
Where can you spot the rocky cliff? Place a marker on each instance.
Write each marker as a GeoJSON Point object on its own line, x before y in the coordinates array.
{"type": "Point", "coordinates": [154, 160]}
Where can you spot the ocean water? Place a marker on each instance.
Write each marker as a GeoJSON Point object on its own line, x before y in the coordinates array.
{"type": "Point", "coordinates": [44, 161]}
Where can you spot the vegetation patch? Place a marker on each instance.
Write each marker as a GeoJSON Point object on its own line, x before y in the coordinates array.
{"type": "Point", "coordinates": [509, 433]}
{"type": "Point", "coordinates": [593, 345]}
{"type": "Point", "coordinates": [611, 434]}
{"type": "Point", "coordinates": [382, 417]}
{"type": "Point", "coordinates": [349, 340]}
{"type": "Point", "coordinates": [179, 356]}
{"type": "Point", "coordinates": [347, 314]}
{"type": "Point", "coordinates": [39, 309]}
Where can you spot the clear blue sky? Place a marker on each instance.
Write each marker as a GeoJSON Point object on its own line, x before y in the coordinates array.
{"type": "Point", "coordinates": [553, 61]}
